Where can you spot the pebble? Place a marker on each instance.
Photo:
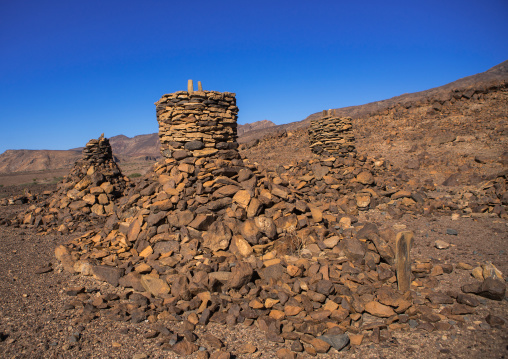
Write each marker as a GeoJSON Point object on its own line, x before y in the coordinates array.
{"type": "Point", "coordinates": [412, 323]}
{"type": "Point", "coordinates": [451, 232]}
{"type": "Point", "coordinates": [439, 244]}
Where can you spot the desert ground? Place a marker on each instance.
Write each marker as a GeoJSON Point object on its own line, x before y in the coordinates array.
{"type": "Point", "coordinates": [447, 162]}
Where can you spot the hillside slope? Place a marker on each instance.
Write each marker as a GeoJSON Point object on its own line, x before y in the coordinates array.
{"type": "Point", "coordinates": [483, 81]}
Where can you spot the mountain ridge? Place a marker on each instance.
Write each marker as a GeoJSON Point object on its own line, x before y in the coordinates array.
{"type": "Point", "coordinates": [143, 148]}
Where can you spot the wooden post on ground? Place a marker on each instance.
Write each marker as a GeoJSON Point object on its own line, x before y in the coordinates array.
{"type": "Point", "coordinates": [403, 243]}
{"type": "Point", "coordinates": [190, 87]}
{"type": "Point", "coordinates": [200, 87]}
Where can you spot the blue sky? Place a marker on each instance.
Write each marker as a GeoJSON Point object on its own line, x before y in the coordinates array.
{"type": "Point", "coordinates": [71, 70]}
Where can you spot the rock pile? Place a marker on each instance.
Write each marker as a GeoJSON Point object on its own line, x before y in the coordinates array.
{"type": "Point", "coordinates": [331, 135]}
{"type": "Point", "coordinates": [91, 188]}
{"type": "Point", "coordinates": [205, 237]}
{"type": "Point", "coordinates": [201, 122]}
{"type": "Point", "coordinates": [343, 186]}
{"type": "Point", "coordinates": [26, 197]}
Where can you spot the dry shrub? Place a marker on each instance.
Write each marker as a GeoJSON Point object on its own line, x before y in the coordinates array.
{"type": "Point", "coordinates": [290, 244]}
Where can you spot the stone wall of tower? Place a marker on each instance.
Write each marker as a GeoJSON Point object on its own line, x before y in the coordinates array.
{"type": "Point", "coordinates": [331, 134]}
{"type": "Point", "coordinates": [198, 122]}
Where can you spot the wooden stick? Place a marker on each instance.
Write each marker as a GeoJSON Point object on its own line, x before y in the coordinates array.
{"type": "Point", "coordinates": [403, 243]}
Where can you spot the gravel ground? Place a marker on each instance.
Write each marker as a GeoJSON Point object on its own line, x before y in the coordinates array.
{"type": "Point", "coordinates": [36, 322]}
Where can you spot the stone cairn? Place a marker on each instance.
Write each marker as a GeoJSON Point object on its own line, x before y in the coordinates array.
{"type": "Point", "coordinates": [331, 134]}
{"type": "Point", "coordinates": [91, 188]}
{"type": "Point", "coordinates": [204, 237]}
{"type": "Point", "coordinates": [202, 122]}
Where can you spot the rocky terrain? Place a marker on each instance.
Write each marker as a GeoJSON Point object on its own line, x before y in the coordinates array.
{"type": "Point", "coordinates": [394, 247]}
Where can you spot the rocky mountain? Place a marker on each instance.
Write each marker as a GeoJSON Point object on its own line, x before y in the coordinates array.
{"type": "Point", "coordinates": [258, 125]}
{"type": "Point", "coordinates": [142, 147]}
{"type": "Point", "coordinates": [36, 160]}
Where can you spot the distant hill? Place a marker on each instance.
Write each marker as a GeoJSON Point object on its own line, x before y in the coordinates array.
{"type": "Point", "coordinates": [36, 160]}
{"type": "Point", "coordinates": [139, 148]}
{"type": "Point", "coordinates": [258, 125]}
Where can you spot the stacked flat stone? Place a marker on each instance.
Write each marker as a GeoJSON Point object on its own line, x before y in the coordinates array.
{"type": "Point", "coordinates": [202, 122]}
{"type": "Point", "coordinates": [92, 186]}
{"type": "Point", "coordinates": [331, 135]}
{"type": "Point", "coordinates": [97, 152]}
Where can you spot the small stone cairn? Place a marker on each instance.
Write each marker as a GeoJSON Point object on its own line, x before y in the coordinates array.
{"type": "Point", "coordinates": [91, 187]}
{"type": "Point", "coordinates": [204, 237]}
{"type": "Point", "coordinates": [331, 135]}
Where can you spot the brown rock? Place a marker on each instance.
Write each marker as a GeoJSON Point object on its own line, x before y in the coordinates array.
{"type": "Point", "coordinates": [240, 246]}
{"type": "Point", "coordinates": [247, 348]}
{"type": "Point", "coordinates": [294, 271]}
{"type": "Point", "coordinates": [184, 347]}
{"type": "Point", "coordinates": [287, 223]}
{"type": "Point", "coordinates": [64, 256]}
{"type": "Point", "coordinates": [254, 208]}
{"type": "Point", "coordinates": [108, 274]}
{"type": "Point", "coordinates": [356, 339]}
{"type": "Point", "coordinates": [242, 197]}
{"type": "Point", "coordinates": [468, 300]}
{"type": "Point", "coordinates": [353, 248]}
{"type": "Point", "coordinates": [273, 271]}
{"type": "Point", "coordinates": [320, 345]}
{"type": "Point", "coordinates": [493, 289]}
{"type": "Point", "coordinates": [439, 298]}
{"type": "Point", "coordinates": [250, 232]}
{"type": "Point", "coordinates": [379, 310]}
{"type": "Point", "coordinates": [291, 310]}
{"type": "Point", "coordinates": [132, 280]}
{"type": "Point", "coordinates": [317, 214]}
{"type": "Point", "coordinates": [365, 177]}
{"type": "Point", "coordinates": [157, 287]}
{"type": "Point", "coordinates": [266, 226]}
{"type": "Point", "coordinates": [217, 236]}
{"type": "Point", "coordinates": [403, 244]}
{"type": "Point", "coordinates": [280, 191]}
{"type": "Point", "coordinates": [202, 221]}
{"type": "Point", "coordinates": [285, 353]}
{"type": "Point", "coordinates": [495, 321]}
{"type": "Point", "coordinates": [134, 229]}
{"type": "Point", "coordinates": [241, 274]}
{"type": "Point", "coordinates": [220, 355]}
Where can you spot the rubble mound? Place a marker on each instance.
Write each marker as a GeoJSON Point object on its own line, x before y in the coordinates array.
{"type": "Point", "coordinates": [206, 237]}
{"type": "Point", "coordinates": [87, 193]}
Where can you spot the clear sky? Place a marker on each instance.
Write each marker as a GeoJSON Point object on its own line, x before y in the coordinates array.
{"type": "Point", "coordinates": [70, 70]}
